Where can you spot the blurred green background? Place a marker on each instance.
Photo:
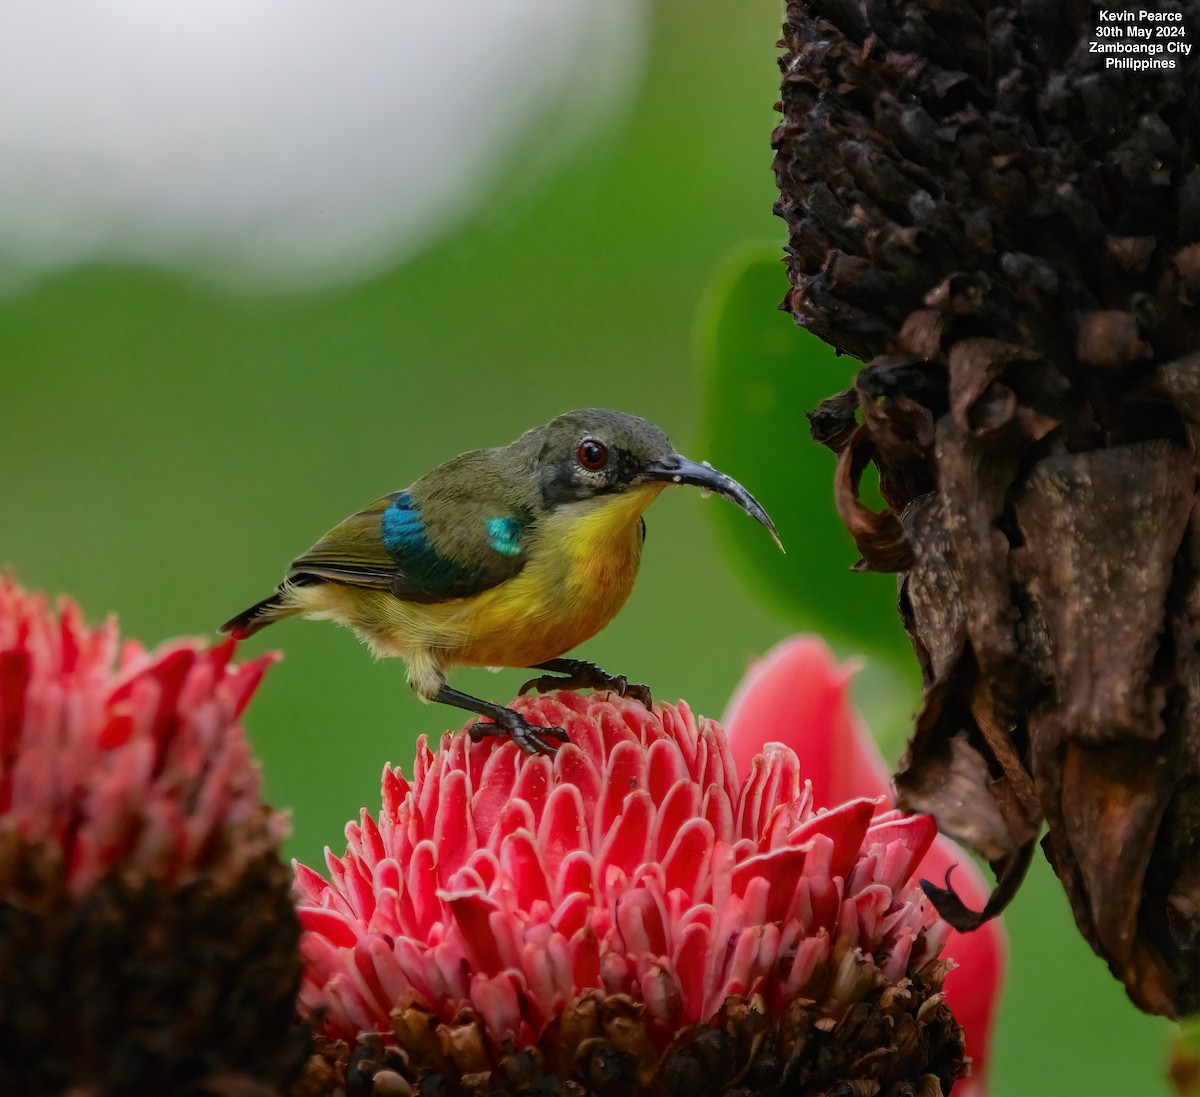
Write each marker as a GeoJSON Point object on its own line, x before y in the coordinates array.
{"type": "Point", "coordinates": [168, 447]}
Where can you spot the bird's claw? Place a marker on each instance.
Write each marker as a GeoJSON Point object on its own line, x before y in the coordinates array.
{"type": "Point", "coordinates": [638, 693]}
{"type": "Point", "coordinates": [621, 686]}
{"type": "Point", "coordinates": [543, 684]}
{"type": "Point", "coordinates": [590, 676]}
{"type": "Point", "coordinates": [531, 738]}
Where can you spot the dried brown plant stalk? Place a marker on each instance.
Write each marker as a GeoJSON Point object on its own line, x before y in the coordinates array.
{"type": "Point", "coordinates": [1008, 234]}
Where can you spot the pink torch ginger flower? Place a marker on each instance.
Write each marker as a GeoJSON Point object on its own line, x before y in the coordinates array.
{"type": "Point", "coordinates": [797, 695]}
{"type": "Point", "coordinates": [637, 867]}
{"type": "Point", "coordinates": [147, 938]}
{"type": "Point", "coordinates": [142, 767]}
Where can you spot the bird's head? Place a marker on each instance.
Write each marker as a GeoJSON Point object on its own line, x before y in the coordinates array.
{"type": "Point", "coordinates": [597, 452]}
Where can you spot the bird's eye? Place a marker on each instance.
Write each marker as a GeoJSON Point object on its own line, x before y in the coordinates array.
{"type": "Point", "coordinates": [592, 454]}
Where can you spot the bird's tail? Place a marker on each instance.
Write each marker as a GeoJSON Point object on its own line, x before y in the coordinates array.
{"type": "Point", "coordinates": [259, 615]}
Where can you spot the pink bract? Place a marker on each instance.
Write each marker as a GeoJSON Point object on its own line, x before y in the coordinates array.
{"type": "Point", "coordinates": [132, 759]}
{"type": "Point", "coordinates": [637, 861]}
{"type": "Point", "coordinates": [797, 695]}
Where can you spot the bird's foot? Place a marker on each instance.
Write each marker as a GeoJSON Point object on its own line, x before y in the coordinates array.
{"type": "Point", "coordinates": [579, 674]}
{"type": "Point", "coordinates": [531, 738]}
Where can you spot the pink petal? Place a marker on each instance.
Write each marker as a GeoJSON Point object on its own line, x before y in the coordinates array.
{"type": "Point", "coordinates": [685, 865]}
{"type": "Point", "coordinates": [453, 830]}
{"type": "Point", "coordinates": [679, 805]}
{"type": "Point", "coordinates": [665, 769]}
{"type": "Point", "coordinates": [797, 695]}
{"type": "Point", "coordinates": [574, 767]}
{"type": "Point", "coordinates": [494, 789]}
{"type": "Point", "coordinates": [533, 784]}
{"type": "Point", "coordinates": [717, 808]}
{"type": "Point", "coordinates": [628, 840]}
{"type": "Point", "coordinates": [623, 775]}
{"type": "Point", "coordinates": [472, 913]}
{"type": "Point", "coordinates": [640, 920]}
{"type": "Point", "coordinates": [691, 965]}
{"type": "Point", "coordinates": [395, 790]}
{"type": "Point", "coordinates": [846, 826]}
{"type": "Point", "coordinates": [309, 885]}
{"type": "Point", "coordinates": [780, 869]}
{"type": "Point", "coordinates": [496, 999]}
{"type": "Point", "coordinates": [571, 915]}
{"type": "Point", "coordinates": [905, 842]}
{"type": "Point", "coordinates": [584, 949]}
{"type": "Point", "coordinates": [420, 892]}
{"type": "Point", "coordinates": [660, 992]}
{"type": "Point", "coordinates": [564, 827]}
{"type": "Point", "coordinates": [520, 858]}
{"type": "Point", "coordinates": [577, 873]}
{"type": "Point", "coordinates": [331, 925]}
{"type": "Point", "coordinates": [516, 815]}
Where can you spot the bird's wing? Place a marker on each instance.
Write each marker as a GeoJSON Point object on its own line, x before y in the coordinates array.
{"type": "Point", "coordinates": [386, 546]}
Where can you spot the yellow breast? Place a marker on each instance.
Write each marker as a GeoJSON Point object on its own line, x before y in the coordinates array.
{"type": "Point", "coordinates": [582, 564]}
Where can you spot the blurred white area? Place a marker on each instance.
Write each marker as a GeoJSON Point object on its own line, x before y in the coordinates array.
{"type": "Point", "coordinates": [292, 141]}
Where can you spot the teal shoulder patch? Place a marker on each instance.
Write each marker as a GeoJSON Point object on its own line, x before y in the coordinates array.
{"type": "Point", "coordinates": [504, 535]}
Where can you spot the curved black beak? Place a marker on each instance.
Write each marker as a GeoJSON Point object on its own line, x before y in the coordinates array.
{"type": "Point", "coordinates": [674, 468]}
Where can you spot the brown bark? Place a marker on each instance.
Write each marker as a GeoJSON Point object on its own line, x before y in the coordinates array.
{"type": "Point", "coordinates": [1007, 233]}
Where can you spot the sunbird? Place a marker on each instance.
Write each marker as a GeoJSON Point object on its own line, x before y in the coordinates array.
{"type": "Point", "coordinates": [503, 557]}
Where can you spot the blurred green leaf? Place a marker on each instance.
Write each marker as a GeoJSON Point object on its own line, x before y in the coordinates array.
{"type": "Point", "coordinates": [762, 374]}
